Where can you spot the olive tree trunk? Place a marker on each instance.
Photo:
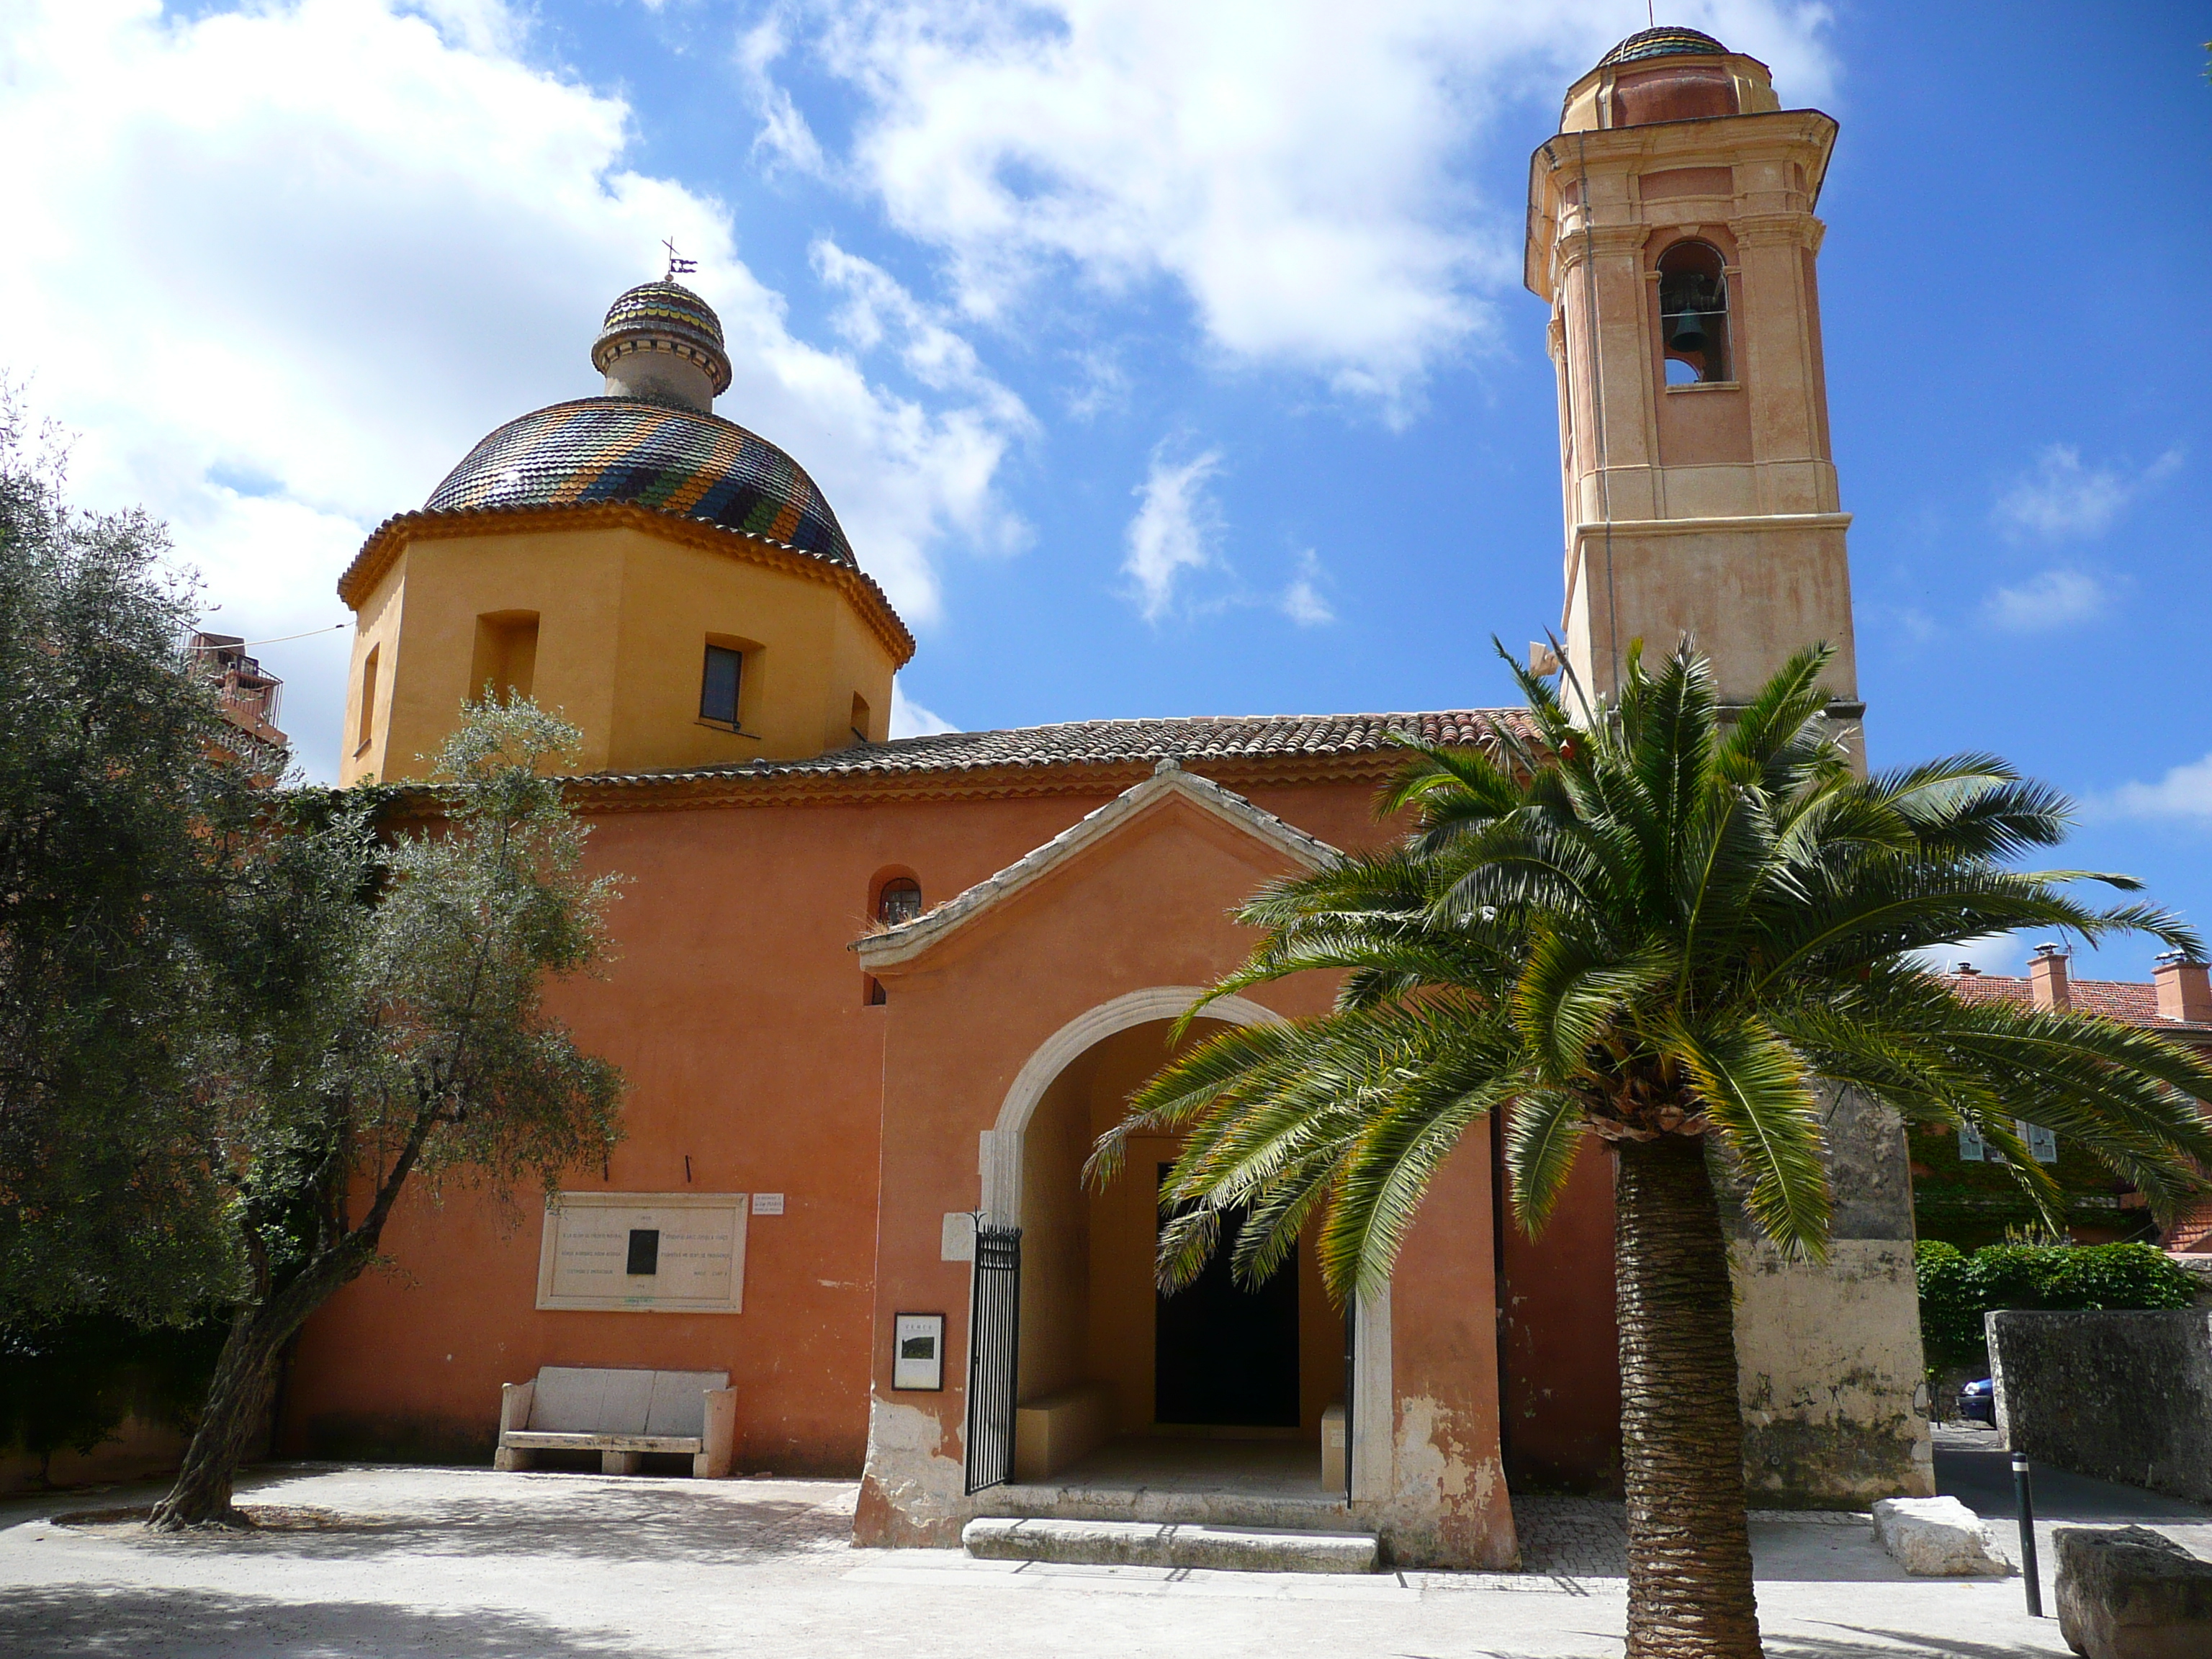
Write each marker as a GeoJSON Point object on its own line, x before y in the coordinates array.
{"type": "Point", "coordinates": [237, 1398]}
{"type": "Point", "coordinates": [1690, 1593]}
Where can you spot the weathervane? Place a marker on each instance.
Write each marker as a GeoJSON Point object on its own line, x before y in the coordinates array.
{"type": "Point", "coordinates": [677, 265]}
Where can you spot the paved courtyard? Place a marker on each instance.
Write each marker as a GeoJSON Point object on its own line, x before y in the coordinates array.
{"type": "Point", "coordinates": [379, 1561]}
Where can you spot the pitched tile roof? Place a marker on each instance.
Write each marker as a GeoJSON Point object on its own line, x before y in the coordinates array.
{"type": "Point", "coordinates": [1092, 743]}
{"type": "Point", "coordinates": [2134, 1001]}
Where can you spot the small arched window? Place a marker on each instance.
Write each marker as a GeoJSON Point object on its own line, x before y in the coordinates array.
{"type": "Point", "coordinates": [899, 900]}
{"type": "Point", "coordinates": [1693, 314]}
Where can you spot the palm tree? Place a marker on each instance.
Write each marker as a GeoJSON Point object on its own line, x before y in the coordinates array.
{"type": "Point", "coordinates": [1677, 929]}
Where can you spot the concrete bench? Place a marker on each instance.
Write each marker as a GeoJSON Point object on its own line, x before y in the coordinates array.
{"type": "Point", "coordinates": [621, 1414]}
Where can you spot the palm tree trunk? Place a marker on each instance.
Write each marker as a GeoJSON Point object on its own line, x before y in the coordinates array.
{"type": "Point", "coordinates": [1690, 1591]}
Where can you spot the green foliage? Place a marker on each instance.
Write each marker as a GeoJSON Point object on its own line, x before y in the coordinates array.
{"type": "Point", "coordinates": [126, 820]}
{"type": "Point", "coordinates": [71, 1383]}
{"type": "Point", "coordinates": [1956, 1289]}
{"type": "Point", "coordinates": [1658, 922]}
{"type": "Point", "coordinates": [1973, 1204]}
{"type": "Point", "coordinates": [414, 1039]}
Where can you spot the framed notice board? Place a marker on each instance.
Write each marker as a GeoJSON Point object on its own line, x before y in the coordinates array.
{"type": "Point", "coordinates": [918, 1350]}
{"type": "Point", "coordinates": [644, 1252]}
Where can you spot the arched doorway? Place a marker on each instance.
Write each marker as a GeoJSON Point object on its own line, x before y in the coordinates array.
{"type": "Point", "coordinates": [1216, 1378]}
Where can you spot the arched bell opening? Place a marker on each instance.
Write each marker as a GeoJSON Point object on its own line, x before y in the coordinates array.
{"type": "Point", "coordinates": [1693, 315]}
{"type": "Point", "coordinates": [1219, 1377]}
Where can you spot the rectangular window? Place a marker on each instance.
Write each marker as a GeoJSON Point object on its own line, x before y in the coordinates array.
{"type": "Point", "coordinates": [1971, 1148]}
{"type": "Point", "coordinates": [717, 684]}
{"type": "Point", "coordinates": [2042, 1144]}
{"type": "Point", "coordinates": [368, 700]}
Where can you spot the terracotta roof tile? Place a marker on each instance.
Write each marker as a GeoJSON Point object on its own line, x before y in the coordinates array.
{"type": "Point", "coordinates": [2135, 1001]}
{"type": "Point", "coordinates": [1081, 743]}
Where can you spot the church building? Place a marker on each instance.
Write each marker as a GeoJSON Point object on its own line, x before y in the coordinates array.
{"type": "Point", "coordinates": [875, 997]}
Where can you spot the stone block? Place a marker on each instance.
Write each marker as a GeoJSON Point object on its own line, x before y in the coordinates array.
{"type": "Point", "coordinates": [1936, 1538]}
{"type": "Point", "coordinates": [1335, 1449]}
{"type": "Point", "coordinates": [2129, 1593]}
{"type": "Point", "coordinates": [1142, 1544]}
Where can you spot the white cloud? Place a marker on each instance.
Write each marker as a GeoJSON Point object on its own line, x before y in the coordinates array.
{"type": "Point", "coordinates": [1296, 167]}
{"type": "Point", "coordinates": [2060, 497]}
{"type": "Point", "coordinates": [1302, 601]}
{"type": "Point", "coordinates": [2003, 954]}
{"type": "Point", "coordinates": [1175, 529]}
{"type": "Point", "coordinates": [281, 267]}
{"type": "Point", "coordinates": [2056, 599]}
{"type": "Point", "coordinates": [2184, 795]}
{"type": "Point", "coordinates": [910, 720]}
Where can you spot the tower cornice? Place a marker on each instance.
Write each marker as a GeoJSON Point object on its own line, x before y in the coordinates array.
{"type": "Point", "coordinates": [1560, 166]}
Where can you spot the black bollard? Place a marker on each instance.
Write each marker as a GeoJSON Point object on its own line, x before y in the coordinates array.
{"type": "Point", "coordinates": [2023, 1493]}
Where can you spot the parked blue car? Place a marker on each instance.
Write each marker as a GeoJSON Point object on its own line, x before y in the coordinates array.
{"type": "Point", "coordinates": [1979, 1400]}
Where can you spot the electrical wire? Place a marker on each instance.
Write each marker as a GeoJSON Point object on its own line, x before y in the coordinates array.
{"type": "Point", "coordinates": [280, 639]}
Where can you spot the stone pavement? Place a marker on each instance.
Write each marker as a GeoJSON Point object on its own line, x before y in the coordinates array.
{"type": "Point", "coordinates": [1972, 1465]}
{"type": "Point", "coordinates": [391, 1561]}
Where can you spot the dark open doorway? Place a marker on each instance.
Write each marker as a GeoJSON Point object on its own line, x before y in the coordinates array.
{"type": "Point", "coordinates": [1226, 1356]}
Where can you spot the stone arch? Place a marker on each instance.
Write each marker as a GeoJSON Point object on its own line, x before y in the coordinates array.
{"type": "Point", "coordinates": [1000, 1167]}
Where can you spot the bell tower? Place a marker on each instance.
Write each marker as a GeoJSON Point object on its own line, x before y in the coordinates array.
{"type": "Point", "coordinates": [1671, 228]}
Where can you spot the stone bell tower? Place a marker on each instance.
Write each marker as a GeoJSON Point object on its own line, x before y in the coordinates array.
{"type": "Point", "coordinates": [1671, 228]}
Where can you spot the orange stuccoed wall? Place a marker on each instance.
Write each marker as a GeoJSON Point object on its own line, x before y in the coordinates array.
{"type": "Point", "coordinates": [740, 1017]}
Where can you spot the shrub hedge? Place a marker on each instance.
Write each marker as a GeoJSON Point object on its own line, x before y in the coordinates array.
{"type": "Point", "coordinates": [1956, 1289]}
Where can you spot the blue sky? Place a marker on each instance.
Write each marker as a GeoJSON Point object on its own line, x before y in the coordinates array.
{"type": "Point", "coordinates": [1159, 359]}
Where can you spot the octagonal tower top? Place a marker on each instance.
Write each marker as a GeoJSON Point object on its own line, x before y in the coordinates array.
{"type": "Point", "coordinates": [1667, 74]}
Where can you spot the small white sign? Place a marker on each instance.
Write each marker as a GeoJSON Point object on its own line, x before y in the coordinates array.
{"type": "Point", "coordinates": [918, 1350]}
{"type": "Point", "coordinates": [768, 1203]}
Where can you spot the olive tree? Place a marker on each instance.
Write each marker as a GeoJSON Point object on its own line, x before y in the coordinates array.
{"type": "Point", "coordinates": [129, 810]}
{"type": "Point", "coordinates": [414, 1045]}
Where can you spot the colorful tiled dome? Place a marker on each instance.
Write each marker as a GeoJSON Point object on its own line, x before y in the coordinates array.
{"type": "Point", "coordinates": [665, 316]}
{"type": "Point", "coordinates": [673, 461]}
{"type": "Point", "coordinates": [1666, 41]}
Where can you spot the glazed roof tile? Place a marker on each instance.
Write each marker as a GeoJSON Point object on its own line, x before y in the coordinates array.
{"type": "Point", "coordinates": [1667, 40]}
{"type": "Point", "coordinates": [1092, 743]}
{"type": "Point", "coordinates": [593, 450]}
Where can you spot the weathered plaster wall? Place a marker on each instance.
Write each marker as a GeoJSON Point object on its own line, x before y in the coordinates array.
{"type": "Point", "coordinates": [1833, 1388]}
{"type": "Point", "coordinates": [2123, 1396]}
{"type": "Point", "coordinates": [1447, 1505]}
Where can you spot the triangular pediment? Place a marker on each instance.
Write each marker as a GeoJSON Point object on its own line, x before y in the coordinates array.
{"type": "Point", "coordinates": [1169, 784]}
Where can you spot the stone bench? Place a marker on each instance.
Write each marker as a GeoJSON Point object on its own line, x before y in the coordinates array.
{"type": "Point", "coordinates": [2129, 1593]}
{"type": "Point", "coordinates": [1059, 1428]}
{"type": "Point", "coordinates": [621, 1413]}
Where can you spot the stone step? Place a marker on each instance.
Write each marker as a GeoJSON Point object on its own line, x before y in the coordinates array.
{"type": "Point", "coordinates": [1144, 1544]}
{"type": "Point", "coordinates": [1161, 1505]}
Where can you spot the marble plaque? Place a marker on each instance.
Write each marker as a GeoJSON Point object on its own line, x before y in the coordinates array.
{"type": "Point", "coordinates": [699, 1265]}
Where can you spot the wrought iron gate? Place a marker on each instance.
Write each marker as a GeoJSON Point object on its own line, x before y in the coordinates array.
{"type": "Point", "coordinates": [994, 1341]}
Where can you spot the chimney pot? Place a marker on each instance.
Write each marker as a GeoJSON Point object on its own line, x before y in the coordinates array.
{"type": "Point", "coordinates": [2184, 990]}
